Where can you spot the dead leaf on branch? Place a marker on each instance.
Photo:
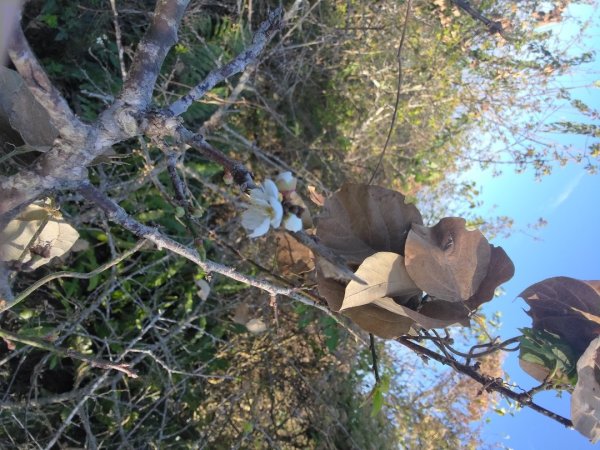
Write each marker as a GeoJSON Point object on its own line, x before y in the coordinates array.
{"type": "Point", "coordinates": [585, 401]}
{"type": "Point", "coordinates": [369, 226]}
{"type": "Point", "coordinates": [500, 270]}
{"type": "Point", "coordinates": [360, 220]}
{"type": "Point", "coordinates": [565, 306]}
{"type": "Point", "coordinates": [447, 261]}
{"type": "Point", "coordinates": [385, 276]}
{"type": "Point", "coordinates": [55, 236]}
{"type": "Point", "coordinates": [370, 318]}
{"type": "Point", "coordinates": [21, 112]}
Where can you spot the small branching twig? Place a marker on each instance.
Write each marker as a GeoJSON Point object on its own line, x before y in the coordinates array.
{"type": "Point", "coordinates": [490, 383]}
{"type": "Point", "coordinates": [262, 36]}
{"type": "Point", "coordinates": [118, 38]}
{"type": "Point", "coordinates": [67, 353]}
{"type": "Point", "coordinates": [82, 276]}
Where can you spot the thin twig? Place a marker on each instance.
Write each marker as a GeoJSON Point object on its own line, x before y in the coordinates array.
{"type": "Point", "coordinates": [374, 356]}
{"type": "Point", "coordinates": [82, 276]}
{"type": "Point", "coordinates": [398, 91]}
{"type": "Point", "coordinates": [262, 36]}
{"type": "Point", "coordinates": [113, 6]}
{"type": "Point", "coordinates": [67, 353]}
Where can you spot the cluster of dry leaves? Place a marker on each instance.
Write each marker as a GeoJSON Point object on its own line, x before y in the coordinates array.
{"type": "Point", "coordinates": [410, 276]}
{"type": "Point", "coordinates": [398, 259]}
{"type": "Point", "coordinates": [563, 346]}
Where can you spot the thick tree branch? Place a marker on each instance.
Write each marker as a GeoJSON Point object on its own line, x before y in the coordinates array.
{"type": "Point", "coordinates": [36, 79]}
{"type": "Point", "coordinates": [489, 383]}
{"type": "Point", "coordinates": [151, 53]}
{"type": "Point", "coordinates": [262, 36]}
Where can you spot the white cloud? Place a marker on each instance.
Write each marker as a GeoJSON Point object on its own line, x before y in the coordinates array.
{"type": "Point", "coordinates": [567, 191]}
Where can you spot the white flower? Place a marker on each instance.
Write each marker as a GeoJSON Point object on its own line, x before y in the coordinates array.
{"type": "Point", "coordinates": [263, 211]}
{"type": "Point", "coordinates": [286, 182]}
{"type": "Point", "coordinates": [292, 222]}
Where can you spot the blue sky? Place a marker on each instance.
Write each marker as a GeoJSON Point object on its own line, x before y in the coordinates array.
{"type": "Point", "coordinates": [569, 245]}
{"type": "Point", "coordinates": [569, 199]}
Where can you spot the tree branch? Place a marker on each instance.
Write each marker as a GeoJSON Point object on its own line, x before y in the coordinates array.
{"type": "Point", "coordinates": [490, 384]}
{"type": "Point", "coordinates": [262, 36]}
{"type": "Point", "coordinates": [492, 26]}
{"type": "Point", "coordinates": [151, 53]}
{"type": "Point", "coordinates": [38, 82]}
{"type": "Point", "coordinates": [67, 353]}
{"type": "Point", "coordinates": [119, 215]}
{"type": "Point", "coordinates": [82, 276]}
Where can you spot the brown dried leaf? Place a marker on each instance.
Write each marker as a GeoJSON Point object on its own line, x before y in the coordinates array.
{"type": "Point", "coordinates": [292, 256]}
{"type": "Point", "coordinates": [379, 321]}
{"type": "Point", "coordinates": [360, 220]}
{"type": "Point", "coordinates": [585, 401]}
{"type": "Point", "coordinates": [55, 238]}
{"type": "Point", "coordinates": [500, 270]}
{"type": "Point", "coordinates": [385, 276]}
{"type": "Point", "coordinates": [370, 318]}
{"type": "Point", "coordinates": [556, 306]}
{"type": "Point", "coordinates": [434, 314]}
{"type": "Point", "coordinates": [447, 261]}
{"type": "Point", "coordinates": [23, 113]}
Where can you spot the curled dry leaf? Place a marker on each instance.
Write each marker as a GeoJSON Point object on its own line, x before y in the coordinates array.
{"type": "Point", "coordinates": [585, 401]}
{"type": "Point", "coordinates": [370, 318]}
{"type": "Point", "coordinates": [567, 307]}
{"type": "Point", "coordinates": [447, 261]}
{"type": "Point", "coordinates": [21, 114]}
{"type": "Point", "coordinates": [500, 270]}
{"type": "Point", "coordinates": [55, 237]}
{"type": "Point", "coordinates": [385, 276]}
{"type": "Point", "coordinates": [359, 220]}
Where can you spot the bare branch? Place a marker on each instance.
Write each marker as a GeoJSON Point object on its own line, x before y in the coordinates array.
{"type": "Point", "coordinates": [119, 215]}
{"type": "Point", "coordinates": [492, 26]}
{"type": "Point", "coordinates": [28, 66]}
{"type": "Point", "coordinates": [262, 36]}
{"type": "Point", "coordinates": [151, 52]}
{"type": "Point", "coordinates": [118, 38]}
{"type": "Point", "coordinates": [67, 353]}
{"type": "Point", "coordinates": [490, 384]}
{"type": "Point", "coordinates": [82, 276]}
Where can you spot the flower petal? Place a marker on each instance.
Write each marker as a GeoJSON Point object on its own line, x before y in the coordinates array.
{"type": "Point", "coordinates": [276, 213]}
{"type": "Point", "coordinates": [261, 229]}
{"type": "Point", "coordinates": [270, 189]}
{"type": "Point", "coordinates": [292, 222]}
{"type": "Point", "coordinates": [253, 217]}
